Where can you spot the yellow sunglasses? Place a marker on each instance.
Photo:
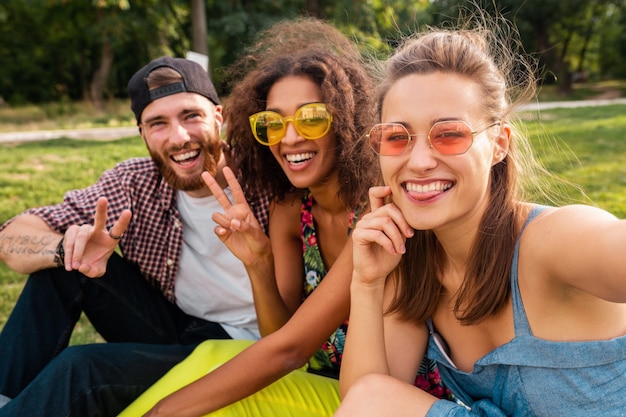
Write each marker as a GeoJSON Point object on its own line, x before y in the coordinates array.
{"type": "Point", "coordinates": [311, 121]}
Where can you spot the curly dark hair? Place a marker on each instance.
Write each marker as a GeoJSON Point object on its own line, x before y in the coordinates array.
{"type": "Point", "coordinates": [315, 49]}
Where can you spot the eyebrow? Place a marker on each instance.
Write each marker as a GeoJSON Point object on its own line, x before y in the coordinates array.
{"type": "Point", "coordinates": [183, 112]}
{"type": "Point", "coordinates": [432, 122]}
{"type": "Point", "coordinates": [277, 110]}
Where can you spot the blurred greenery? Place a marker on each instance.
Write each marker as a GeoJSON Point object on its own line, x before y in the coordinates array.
{"type": "Point", "coordinates": [65, 115]}
{"type": "Point", "coordinates": [54, 50]}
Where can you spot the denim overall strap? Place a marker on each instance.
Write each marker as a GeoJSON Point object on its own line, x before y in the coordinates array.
{"type": "Point", "coordinates": [519, 313]}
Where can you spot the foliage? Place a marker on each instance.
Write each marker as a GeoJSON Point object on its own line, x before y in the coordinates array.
{"type": "Point", "coordinates": [54, 50]}
{"type": "Point", "coordinates": [570, 38]}
{"type": "Point", "coordinates": [50, 49]}
{"type": "Point", "coordinates": [612, 51]}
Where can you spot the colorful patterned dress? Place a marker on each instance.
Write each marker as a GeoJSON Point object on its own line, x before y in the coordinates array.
{"type": "Point", "coordinates": [327, 359]}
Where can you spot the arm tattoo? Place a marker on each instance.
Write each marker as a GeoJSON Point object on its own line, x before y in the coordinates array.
{"type": "Point", "coordinates": [28, 245]}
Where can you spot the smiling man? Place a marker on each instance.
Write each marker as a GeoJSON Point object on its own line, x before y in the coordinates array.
{"type": "Point", "coordinates": [171, 285]}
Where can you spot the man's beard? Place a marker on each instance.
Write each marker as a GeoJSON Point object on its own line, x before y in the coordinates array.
{"type": "Point", "coordinates": [211, 148]}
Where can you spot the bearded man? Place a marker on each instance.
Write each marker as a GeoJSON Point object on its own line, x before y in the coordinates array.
{"type": "Point", "coordinates": [171, 284]}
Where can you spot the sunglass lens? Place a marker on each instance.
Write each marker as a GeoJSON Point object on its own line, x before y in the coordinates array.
{"type": "Point", "coordinates": [389, 139]}
{"type": "Point", "coordinates": [312, 121]}
{"type": "Point", "coordinates": [269, 128]}
{"type": "Point", "coordinates": [451, 138]}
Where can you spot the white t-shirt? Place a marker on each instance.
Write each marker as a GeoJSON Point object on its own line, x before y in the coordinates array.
{"type": "Point", "coordinates": [212, 283]}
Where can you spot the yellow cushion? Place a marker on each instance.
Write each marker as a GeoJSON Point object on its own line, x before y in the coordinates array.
{"type": "Point", "coordinates": [298, 394]}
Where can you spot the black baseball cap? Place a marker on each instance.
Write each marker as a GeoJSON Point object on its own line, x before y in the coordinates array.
{"type": "Point", "coordinates": [195, 80]}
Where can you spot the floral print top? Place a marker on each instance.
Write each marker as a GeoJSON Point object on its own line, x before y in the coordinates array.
{"type": "Point", "coordinates": [327, 359]}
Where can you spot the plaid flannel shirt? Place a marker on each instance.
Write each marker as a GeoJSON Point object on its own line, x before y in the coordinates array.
{"type": "Point", "coordinates": [154, 237]}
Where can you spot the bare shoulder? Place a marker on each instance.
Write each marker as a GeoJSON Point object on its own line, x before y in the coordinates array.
{"type": "Point", "coordinates": [289, 205]}
{"type": "Point", "coordinates": [556, 229]}
{"type": "Point", "coordinates": [285, 216]}
{"type": "Point", "coordinates": [567, 218]}
{"type": "Point", "coordinates": [563, 246]}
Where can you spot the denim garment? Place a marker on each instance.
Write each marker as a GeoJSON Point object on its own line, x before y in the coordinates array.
{"type": "Point", "coordinates": [534, 377]}
{"type": "Point", "coordinates": [146, 334]}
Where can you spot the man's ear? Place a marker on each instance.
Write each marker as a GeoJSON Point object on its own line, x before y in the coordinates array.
{"type": "Point", "coordinates": [502, 143]}
{"type": "Point", "coordinates": [143, 137]}
{"type": "Point", "coordinates": [219, 116]}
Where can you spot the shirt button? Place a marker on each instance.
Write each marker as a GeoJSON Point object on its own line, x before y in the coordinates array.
{"type": "Point", "coordinates": [170, 262]}
{"type": "Point", "coordinates": [177, 224]}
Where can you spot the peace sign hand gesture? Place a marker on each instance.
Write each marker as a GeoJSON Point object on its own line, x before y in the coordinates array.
{"type": "Point", "coordinates": [88, 248]}
{"type": "Point", "coordinates": [237, 226]}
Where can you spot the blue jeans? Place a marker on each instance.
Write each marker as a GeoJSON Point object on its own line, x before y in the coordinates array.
{"type": "Point", "coordinates": [146, 335]}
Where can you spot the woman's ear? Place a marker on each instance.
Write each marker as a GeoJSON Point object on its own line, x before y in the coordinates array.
{"type": "Point", "coordinates": [502, 143]}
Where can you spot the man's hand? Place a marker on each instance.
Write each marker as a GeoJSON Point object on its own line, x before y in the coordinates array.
{"type": "Point", "coordinates": [88, 248]}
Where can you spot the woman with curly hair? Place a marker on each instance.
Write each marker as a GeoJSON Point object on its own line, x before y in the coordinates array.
{"type": "Point", "coordinates": [295, 121]}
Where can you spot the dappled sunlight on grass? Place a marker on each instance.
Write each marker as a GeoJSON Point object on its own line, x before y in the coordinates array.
{"type": "Point", "coordinates": [39, 173]}
{"type": "Point", "coordinates": [585, 91]}
{"type": "Point", "coordinates": [587, 147]}
{"type": "Point", "coordinates": [65, 115]}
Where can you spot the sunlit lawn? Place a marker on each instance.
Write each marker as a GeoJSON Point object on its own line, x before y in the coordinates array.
{"type": "Point", "coordinates": [65, 115]}
{"type": "Point", "coordinates": [585, 146]}
{"type": "Point", "coordinates": [38, 173]}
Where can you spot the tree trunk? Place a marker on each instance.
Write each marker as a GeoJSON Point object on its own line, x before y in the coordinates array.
{"type": "Point", "coordinates": [198, 24]}
{"type": "Point", "coordinates": [313, 8]}
{"type": "Point", "coordinates": [101, 75]}
{"type": "Point", "coordinates": [554, 61]}
{"type": "Point", "coordinates": [597, 10]}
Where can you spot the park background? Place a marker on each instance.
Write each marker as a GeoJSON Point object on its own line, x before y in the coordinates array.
{"type": "Point", "coordinates": [66, 64]}
{"type": "Point", "coordinates": [53, 50]}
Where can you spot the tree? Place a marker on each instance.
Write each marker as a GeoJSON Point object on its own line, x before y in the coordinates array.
{"type": "Point", "coordinates": [559, 32]}
{"type": "Point", "coordinates": [101, 74]}
{"type": "Point", "coordinates": [76, 49]}
{"type": "Point", "coordinates": [198, 23]}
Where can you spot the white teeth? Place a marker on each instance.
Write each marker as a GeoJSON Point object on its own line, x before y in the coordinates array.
{"type": "Point", "coordinates": [433, 186]}
{"type": "Point", "coordinates": [185, 156]}
{"type": "Point", "coordinates": [299, 157]}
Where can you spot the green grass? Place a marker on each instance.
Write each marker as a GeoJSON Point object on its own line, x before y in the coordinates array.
{"type": "Point", "coordinates": [39, 173]}
{"type": "Point", "coordinates": [65, 115]}
{"type": "Point", "coordinates": [584, 146]}
{"type": "Point", "coordinates": [580, 91]}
